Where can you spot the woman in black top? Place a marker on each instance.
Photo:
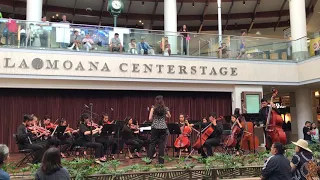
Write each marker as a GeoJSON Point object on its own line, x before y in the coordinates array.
{"type": "Point", "coordinates": [130, 138]}
{"type": "Point", "coordinates": [184, 32]}
{"type": "Point", "coordinates": [85, 138]}
{"type": "Point", "coordinates": [158, 114]}
{"type": "Point", "coordinates": [236, 122]}
{"type": "Point", "coordinates": [51, 168]}
{"type": "Point", "coordinates": [66, 138]}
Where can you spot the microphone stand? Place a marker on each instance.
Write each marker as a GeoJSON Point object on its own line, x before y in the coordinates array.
{"type": "Point", "coordinates": [91, 120]}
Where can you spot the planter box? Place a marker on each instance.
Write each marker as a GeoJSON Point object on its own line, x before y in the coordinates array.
{"type": "Point", "coordinates": [192, 174]}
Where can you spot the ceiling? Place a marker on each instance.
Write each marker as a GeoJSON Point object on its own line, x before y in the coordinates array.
{"type": "Point", "coordinates": [199, 15]}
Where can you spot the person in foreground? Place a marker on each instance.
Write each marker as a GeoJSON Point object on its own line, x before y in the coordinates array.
{"type": "Point", "coordinates": [300, 160]}
{"type": "Point", "coordinates": [277, 166]}
{"type": "Point", "coordinates": [4, 152]}
{"type": "Point", "coordinates": [158, 115]}
{"type": "Point", "coordinates": [51, 168]}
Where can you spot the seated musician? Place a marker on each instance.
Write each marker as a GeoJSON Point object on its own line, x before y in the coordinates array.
{"type": "Point", "coordinates": [204, 120]}
{"type": "Point", "coordinates": [85, 138]}
{"type": "Point", "coordinates": [66, 138]}
{"type": "Point", "coordinates": [130, 138]}
{"type": "Point", "coordinates": [106, 120]}
{"type": "Point", "coordinates": [215, 138]}
{"type": "Point", "coordinates": [53, 140]}
{"type": "Point", "coordinates": [183, 122]}
{"type": "Point", "coordinates": [25, 139]}
{"type": "Point", "coordinates": [236, 122]}
{"type": "Point", "coordinates": [135, 125]}
{"type": "Point", "coordinates": [105, 140]}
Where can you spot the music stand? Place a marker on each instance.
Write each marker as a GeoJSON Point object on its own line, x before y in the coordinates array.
{"type": "Point", "coordinates": [174, 129]}
{"type": "Point", "coordinates": [60, 132]}
{"type": "Point", "coordinates": [108, 129]}
{"type": "Point", "coordinates": [119, 126]}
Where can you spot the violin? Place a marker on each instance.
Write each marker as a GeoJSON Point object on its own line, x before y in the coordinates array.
{"type": "Point", "coordinates": [135, 128]}
{"type": "Point", "coordinates": [231, 140]}
{"type": "Point", "coordinates": [183, 141]}
{"type": "Point", "coordinates": [274, 123]}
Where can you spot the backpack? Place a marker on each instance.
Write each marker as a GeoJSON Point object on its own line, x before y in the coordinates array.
{"type": "Point", "coordinates": [312, 168]}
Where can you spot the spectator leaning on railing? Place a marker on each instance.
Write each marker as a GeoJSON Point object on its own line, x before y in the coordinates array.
{"type": "Point", "coordinates": [4, 153]}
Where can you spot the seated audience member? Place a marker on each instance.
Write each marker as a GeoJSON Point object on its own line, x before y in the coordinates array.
{"type": "Point", "coordinates": [51, 168]}
{"type": "Point", "coordinates": [223, 51]}
{"type": "Point", "coordinates": [277, 166]}
{"type": "Point", "coordinates": [133, 47]}
{"type": "Point", "coordinates": [75, 41]}
{"type": "Point", "coordinates": [145, 48]}
{"type": "Point", "coordinates": [115, 44]}
{"type": "Point", "coordinates": [4, 152]}
{"type": "Point", "coordinates": [300, 160]}
{"type": "Point", "coordinates": [88, 42]}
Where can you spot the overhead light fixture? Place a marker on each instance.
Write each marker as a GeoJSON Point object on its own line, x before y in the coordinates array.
{"type": "Point", "coordinates": [52, 16]}
{"type": "Point", "coordinates": [142, 23]}
{"type": "Point", "coordinates": [57, 15]}
{"type": "Point", "coordinates": [193, 4]}
{"type": "Point", "coordinates": [244, 2]}
{"type": "Point", "coordinates": [139, 21]}
{"type": "Point", "coordinates": [316, 94]}
{"type": "Point", "coordinates": [142, 3]}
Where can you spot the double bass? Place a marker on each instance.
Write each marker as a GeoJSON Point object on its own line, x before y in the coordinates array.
{"type": "Point", "coordinates": [274, 123]}
{"type": "Point", "coordinates": [183, 141]}
{"type": "Point", "coordinates": [248, 140]}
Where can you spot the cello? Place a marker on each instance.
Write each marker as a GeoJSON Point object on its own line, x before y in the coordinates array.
{"type": "Point", "coordinates": [183, 141]}
{"type": "Point", "coordinates": [274, 131]}
{"type": "Point", "coordinates": [205, 133]}
{"type": "Point", "coordinates": [231, 140]}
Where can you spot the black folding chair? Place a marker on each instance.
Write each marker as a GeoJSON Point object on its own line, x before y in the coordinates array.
{"type": "Point", "coordinates": [28, 153]}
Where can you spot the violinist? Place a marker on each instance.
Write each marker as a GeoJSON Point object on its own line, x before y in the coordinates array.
{"type": "Point", "coordinates": [204, 120]}
{"type": "Point", "coordinates": [215, 138]}
{"type": "Point", "coordinates": [105, 140]}
{"type": "Point", "coordinates": [129, 137]}
{"type": "Point", "coordinates": [235, 122]}
{"type": "Point", "coordinates": [85, 138]}
{"type": "Point", "coordinates": [41, 132]}
{"type": "Point", "coordinates": [26, 139]}
{"type": "Point", "coordinates": [135, 128]}
{"type": "Point", "coordinates": [53, 140]}
{"type": "Point", "coordinates": [184, 123]}
{"type": "Point", "coordinates": [66, 138]}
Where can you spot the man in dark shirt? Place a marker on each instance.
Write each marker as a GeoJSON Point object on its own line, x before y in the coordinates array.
{"type": "Point", "coordinates": [306, 131]}
{"type": "Point", "coordinates": [215, 138]}
{"type": "Point", "coordinates": [26, 140]}
{"type": "Point", "coordinates": [276, 167]}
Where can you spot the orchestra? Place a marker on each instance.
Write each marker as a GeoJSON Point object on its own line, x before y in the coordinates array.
{"type": "Point", "coordinates": [105, 143]}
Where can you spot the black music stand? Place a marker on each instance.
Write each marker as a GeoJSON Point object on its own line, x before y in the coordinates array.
{"type": "Point", "coordinates": [60, 132]}
{"type": "Point", "coordinates": [108, 130]}
{"type": "Point", "coordinates": [119, 126]}
{"type": "Point", "coordinates": [174, 129]}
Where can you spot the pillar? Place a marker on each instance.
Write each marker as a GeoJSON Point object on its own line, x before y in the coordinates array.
{"type": "Point", "coordinates": [301, 110]}
{"type": "Point", "coordinates": [34, 10]}
{"type": "Point", "coordinates": [298, 29]}
{"type": "Point", "coordinates": [170, 24]}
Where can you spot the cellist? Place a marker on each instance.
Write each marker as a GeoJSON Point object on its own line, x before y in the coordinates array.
{"type": "Point", "coordinates": [263, 113]}
{"type": "Point", "coordinates": [215, 137]}
{"type": "Point", "coordinates": [235, 121]}
{"type": "Point", "coordinates": [183, 123]}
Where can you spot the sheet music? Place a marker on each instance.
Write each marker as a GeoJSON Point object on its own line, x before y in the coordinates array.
{"type": "Point", "coordinates": [148, 128]}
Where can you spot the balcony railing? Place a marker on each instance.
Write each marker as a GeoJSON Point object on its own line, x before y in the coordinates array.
{"type": "Point", "coordinates": [60, 36]}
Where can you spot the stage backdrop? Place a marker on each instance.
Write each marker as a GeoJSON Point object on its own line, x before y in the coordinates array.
{"type": "Point", "coordinates": [68, 104]}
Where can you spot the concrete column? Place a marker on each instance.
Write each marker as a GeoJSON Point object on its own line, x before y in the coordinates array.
{"type": "Point", "coordinates": [302, 111]}
{"type": "Point", "coordinates": [170, 23]}
{"type": "Point", "coordinates": [298, 29]}
{"type": "Point", "coordinates": [34, 10]}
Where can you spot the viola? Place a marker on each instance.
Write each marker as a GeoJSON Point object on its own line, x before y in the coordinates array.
{"type": "Point", "coordinates": [183, 141]}
{"type": "Point", "coordinates": [274, 123]}
{"type": "Point", "coordinates": [51, 126]}
{"type": "Point", "coordinates": [231, 140]}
